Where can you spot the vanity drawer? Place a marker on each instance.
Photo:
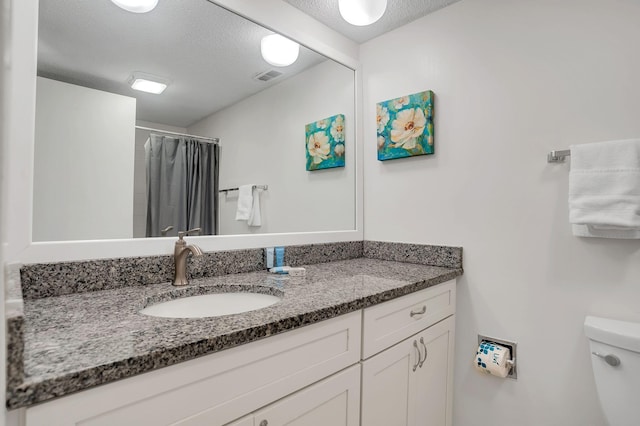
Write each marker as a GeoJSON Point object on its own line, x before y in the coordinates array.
{"type": "Point", "coordinates": [391, 322]}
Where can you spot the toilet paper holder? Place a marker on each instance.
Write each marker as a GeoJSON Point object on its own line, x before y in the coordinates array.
{"type": "Point", "coordinates": [513, 372]}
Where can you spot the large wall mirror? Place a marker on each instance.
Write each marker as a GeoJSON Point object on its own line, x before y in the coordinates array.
{"type": "Point", "coordinates": [253, 125]}
{"type": "Point", "coordinates": [94, 133]}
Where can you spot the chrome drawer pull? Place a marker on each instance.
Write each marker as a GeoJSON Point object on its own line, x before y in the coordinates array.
{"type": "Point", "coordinates": [612, 360]}
{"type": "Point", "coordinates": [420, 312]}
{"type": "Point", "coordinates": [415, 345]}
{"type": "Point", "coordinates": [426, 353]}
{"type": "Point", "coordinates": [264, 423]}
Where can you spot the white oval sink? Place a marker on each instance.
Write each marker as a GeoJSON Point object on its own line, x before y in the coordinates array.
{"type": "Point", "coordinates": [211, 305]}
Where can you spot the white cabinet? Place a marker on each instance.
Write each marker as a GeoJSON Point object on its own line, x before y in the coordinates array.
{"type": "Point", "coordinates": [334, 401]}
{"type": "Point", "coordinates": [434, 384]}
{"type": "Point", "coordinates": [411, 382]}
{"type": "Point", "coordinates": [388, 380]}
{"type": "Point", "coordinates": [389, 365]}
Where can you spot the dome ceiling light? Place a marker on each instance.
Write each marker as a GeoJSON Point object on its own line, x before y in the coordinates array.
{"type": "Point", "coordinates": [279, 51]}
{"type": "Point", "coordinates": [136, 6]}
{"type": "Point", "coordinates": [362, 12]}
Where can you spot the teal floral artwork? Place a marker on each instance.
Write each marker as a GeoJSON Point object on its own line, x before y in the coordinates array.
{"type": "Point", "coordinates": [405, 126]}
{"type": "Point", "coordinates": [325, 143]}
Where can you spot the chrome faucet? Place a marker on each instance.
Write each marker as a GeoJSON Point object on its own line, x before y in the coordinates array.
{"type": "Point", "coordinates": [180, 253]}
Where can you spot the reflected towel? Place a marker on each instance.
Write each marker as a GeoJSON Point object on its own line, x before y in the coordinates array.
{"type": "Point", "coordinates": [254, 216]}
{"type": "Point", "coordinates": [604, 189]}
{"type": "Point", "coordinates": [245, 202]}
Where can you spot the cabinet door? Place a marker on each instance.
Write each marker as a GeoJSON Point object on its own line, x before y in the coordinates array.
{"type": "Point", "coordinates": [434, 375]}
{"type": "Point", "coordinates": [411, 383]}
{"type": "Point", "coordinates": [388, 383]}
{"type": "Point", "coordinates": [334, 401]}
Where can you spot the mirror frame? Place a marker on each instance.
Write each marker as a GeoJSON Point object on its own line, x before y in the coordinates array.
{"type": "Point", "coordinates": [273, 14]}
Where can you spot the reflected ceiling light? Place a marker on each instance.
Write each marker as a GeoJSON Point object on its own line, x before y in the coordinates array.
{"type": "Point", "coordinates": [279, 51]}
{"type": "Point", "coordinates": [136, 6]}
{"type": "Point", "coordinates": [148, 83]}
{"type": "Point", "coordinates": [362, 12]}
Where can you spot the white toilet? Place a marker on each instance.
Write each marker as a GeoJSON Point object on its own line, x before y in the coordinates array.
{"type": "Point", "coordinates": [615, 357]}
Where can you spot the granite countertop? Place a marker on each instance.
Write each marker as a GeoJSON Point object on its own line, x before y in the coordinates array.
{"type": "Point", "coordinates": [77, 341]}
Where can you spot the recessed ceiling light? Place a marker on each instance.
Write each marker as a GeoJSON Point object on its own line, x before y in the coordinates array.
{"type": "Point", "coordinates": [279, 51]}
{"type": "Point", "coordinates": [148, 83]}
{"type": "Point", "coordinates": [362, 12]}
{"type": "Point", "coordinates": [136, 6]}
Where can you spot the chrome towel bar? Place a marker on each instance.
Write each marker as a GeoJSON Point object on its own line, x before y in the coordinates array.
{"type": "Point", "coordinates": [263, 187]}
{"type": "Point", "coordinates": [558, 156]}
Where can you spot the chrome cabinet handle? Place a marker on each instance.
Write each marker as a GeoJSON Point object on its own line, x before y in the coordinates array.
{"type": "Point", "coordinates": [426, 353]}
{"type": "Point", "coordinates": [610, 359]}
{"type": "Point", "coordinates": [264, 423]}
{"type": "Point", "coordinates": [415, 345]}
{"type": "Point", "coordinates": [420, 312]}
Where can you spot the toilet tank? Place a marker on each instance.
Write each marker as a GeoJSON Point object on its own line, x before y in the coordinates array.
{"type": "Point", "coordinates": [618, 385]}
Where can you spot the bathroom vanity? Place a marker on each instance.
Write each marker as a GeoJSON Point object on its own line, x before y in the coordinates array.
{"type": "Point", "coordinates": [356, 339]}
{"type": "Point", "coordinates": [81, 353]}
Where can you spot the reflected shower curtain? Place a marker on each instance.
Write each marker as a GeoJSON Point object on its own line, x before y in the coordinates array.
{"type": "Point", "coordinates": [182, 185]}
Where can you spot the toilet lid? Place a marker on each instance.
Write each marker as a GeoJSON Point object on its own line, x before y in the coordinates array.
{"type": "Point", "coordinates": [621, 334]}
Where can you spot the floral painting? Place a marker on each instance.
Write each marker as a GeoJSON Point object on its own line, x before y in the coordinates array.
{"type": "Point", "coordinates": [405, 126]}
{"type": "Point", "coordinates": [325, 143]}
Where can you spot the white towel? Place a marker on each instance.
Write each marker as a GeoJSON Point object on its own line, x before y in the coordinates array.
{"type": "Point", "coordinates": [249, 205]}
{"type": "Point", "coordinates": [604, 189]}
{"type": "Point", "coordinates": [254, 216]}
{"type": "Point", "coordinates": [245, 202]}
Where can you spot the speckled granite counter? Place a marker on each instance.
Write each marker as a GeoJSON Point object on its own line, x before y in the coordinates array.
{"type": "Point", "coordinates": [76, 341]}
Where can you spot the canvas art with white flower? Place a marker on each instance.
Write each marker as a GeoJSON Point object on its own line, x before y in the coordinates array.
{"type": "Point", "coordinates": [405, 126]}
{"type": "Point", "coordinates": [325, 143]}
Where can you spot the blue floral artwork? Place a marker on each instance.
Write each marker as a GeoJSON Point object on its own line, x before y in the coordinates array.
{"type": "Point", "coordinates": [325, 143]}
{"type": "Point", "coordinates": [405, 126]}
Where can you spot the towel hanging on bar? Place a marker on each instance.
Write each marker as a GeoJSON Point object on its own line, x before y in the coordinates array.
{"type": "Point", "coordinates": [262, 187]}
{"type": "Point", "coordinates": [604, 189]}
{"type": "Point", "coordinates": [249, 205]}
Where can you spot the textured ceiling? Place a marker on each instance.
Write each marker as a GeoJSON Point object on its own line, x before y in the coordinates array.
{"type": "Point", "coordinates": [210, 55]}
{"type": "Point", "coordinates": [398, 13]}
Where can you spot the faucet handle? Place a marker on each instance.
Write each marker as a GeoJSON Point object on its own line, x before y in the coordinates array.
{"type": "Point", "coordinates": [189, 232]}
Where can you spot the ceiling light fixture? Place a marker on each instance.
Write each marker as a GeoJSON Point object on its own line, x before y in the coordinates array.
{"type": "Point", "coordinates": [136, 6]}
{"type": "Point", "coordinates": [148, 83]}
{"type": "Point", "coordinates": [362, 12]}
{"type": "Point", "coordinates": [279, 51]}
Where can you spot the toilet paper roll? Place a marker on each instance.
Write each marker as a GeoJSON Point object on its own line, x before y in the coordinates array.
{"type": "Point", "coordinates": [492, 358]}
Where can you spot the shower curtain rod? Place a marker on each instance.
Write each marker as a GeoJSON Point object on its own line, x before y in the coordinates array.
{"type": "Point", "coordinates": [213, 140]}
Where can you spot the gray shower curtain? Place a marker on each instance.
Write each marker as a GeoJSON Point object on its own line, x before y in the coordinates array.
{"type": "Point", "coordinates": [182, 185]}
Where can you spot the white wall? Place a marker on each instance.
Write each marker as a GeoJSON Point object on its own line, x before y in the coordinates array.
{"type": "Point", "coordinates": [263, 142]}
{"type": "Point", "coordinates": [140, 175]}
{"type": "Point", "coordinates": [83, 163]}
{"type": "Point", "coordinates": [513, 79]}
{"type": "Point", "coordinates": [4, 118]}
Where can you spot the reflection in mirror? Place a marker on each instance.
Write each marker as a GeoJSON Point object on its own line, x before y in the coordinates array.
{"type": "Point", "coordinates": [91, 167]}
